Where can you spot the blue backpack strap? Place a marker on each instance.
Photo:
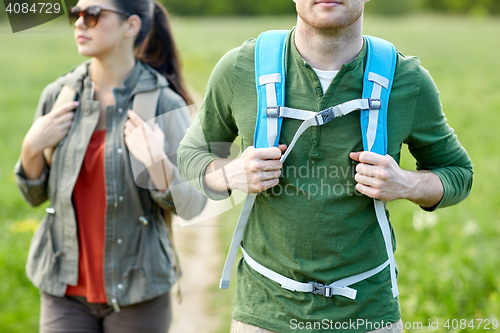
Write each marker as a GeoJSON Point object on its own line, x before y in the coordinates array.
{"type": "Point", "coordinates": [270, 82]}
{"type": "Point", "coordinates": [377, 84]}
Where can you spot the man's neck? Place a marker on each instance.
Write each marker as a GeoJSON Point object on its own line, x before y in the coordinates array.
{"type": "Point", "coordinates": [329, 50]}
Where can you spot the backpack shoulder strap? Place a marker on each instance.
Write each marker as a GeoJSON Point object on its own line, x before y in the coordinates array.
{"type": "Point", "coordinates": [270, 81]}
{"type": "Point", "coordinates": [145, 104]}
{"type": "Point", "coordinates": [66, 95]}
{"type": "Point", "coordinates": [377, 84]}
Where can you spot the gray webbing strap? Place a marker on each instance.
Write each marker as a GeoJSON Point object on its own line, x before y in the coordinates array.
{"type": "Point", "coordinates": [386, 232]}
{"type": "Point", "coordinates": [284, 112]}
{"type": "Point", "coordinates": [236, 241]}
{"type": "Point", "coordinates": [360, 277]}
{"type": "Point", "coordinates": [315, 118]}
{"type": "Point", "coordinates": [66, 95]}
{"type": "Point", "coordinates": [303, 127]}
{"type": "Point", "coordinates": [283, 280]}
{"type": "Point", "coordinates": [270, 81]}
{"type": "Point", "coordinates": [379, 82]}
{"type": "Point", "coordinates": [339, 288]}
{"type": "Point", "coordinates": [354, 105]}
{"type": "Point", "coordinates": [338, 111]}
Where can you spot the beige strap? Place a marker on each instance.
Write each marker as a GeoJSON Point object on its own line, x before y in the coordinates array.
{"type": "Point", "coordinates": [168, 220]}
{"type": "Point", "coordinates": [66, 95]}
{"type": "Point", "coordinates": [145, 104]}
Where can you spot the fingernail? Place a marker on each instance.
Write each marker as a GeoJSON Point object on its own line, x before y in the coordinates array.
{"type": "Point", "coordinates": [156, 125]}
{"type": "Point", "coordinates": [77, 103]}
{"type": "Point", "coordinates": [128, 112]}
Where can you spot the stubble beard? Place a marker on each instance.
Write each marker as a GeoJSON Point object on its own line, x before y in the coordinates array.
{"type": "Point", "coordinates": [332, 26]}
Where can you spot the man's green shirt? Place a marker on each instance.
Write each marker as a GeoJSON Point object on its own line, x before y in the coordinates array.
{"type": "Point", "coordinates": [314, 226]}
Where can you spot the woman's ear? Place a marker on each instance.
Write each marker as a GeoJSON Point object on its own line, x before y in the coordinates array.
{"type": "Point", "coordinates": [133, 26]}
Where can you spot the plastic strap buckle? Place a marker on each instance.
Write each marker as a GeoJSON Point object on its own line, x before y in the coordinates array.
{"type": "Point", "coordinates": [374, 104]}
{"type": "Point", "coordinates": [273, 112]}
{"type": "Point", "coordinates": [325, 116]}
{"type": "Point", "coordinates": [321, 289]}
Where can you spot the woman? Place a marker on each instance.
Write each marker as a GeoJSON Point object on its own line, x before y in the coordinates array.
{"type": "Point", "coordinates": [101, 257]}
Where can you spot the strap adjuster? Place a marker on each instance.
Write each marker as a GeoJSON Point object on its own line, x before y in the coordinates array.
{"type": "Point", "coordinates": [273, 112]}
{"type": "Point", "coordinates": [321, 289]}
{"type": "Point", "coordinates": [374, 104]}
{"type": "Point", "coordinates": [325, 116]}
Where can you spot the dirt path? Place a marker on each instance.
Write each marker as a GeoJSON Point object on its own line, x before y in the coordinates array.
{"type": "Point", "coordinates": [200, 262]}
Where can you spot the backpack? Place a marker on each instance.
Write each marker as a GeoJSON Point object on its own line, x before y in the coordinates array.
{"type": "Point", "coordinates": [270, 84]}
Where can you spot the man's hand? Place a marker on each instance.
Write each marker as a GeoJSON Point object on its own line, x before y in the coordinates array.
{"type": "Point", "coordinates": [380, 177]}
{"type": "Point", "coordinates": [254, 171]}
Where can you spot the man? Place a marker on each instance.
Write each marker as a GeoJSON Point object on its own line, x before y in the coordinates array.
{"type": "Point", "coordinates": [314, 218]}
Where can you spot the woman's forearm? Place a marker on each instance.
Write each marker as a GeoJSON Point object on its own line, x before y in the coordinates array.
{"type": "Point", "coordinates": [32, 160]}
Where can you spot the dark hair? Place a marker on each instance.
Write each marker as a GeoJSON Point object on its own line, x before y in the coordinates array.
{"type": "Point", "coordinates": [154, 45]}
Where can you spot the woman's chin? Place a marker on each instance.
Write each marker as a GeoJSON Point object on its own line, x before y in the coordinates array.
{"type": "Point", "coordinates": [85, 51]}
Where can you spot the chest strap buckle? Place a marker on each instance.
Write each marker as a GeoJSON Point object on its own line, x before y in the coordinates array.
{"type": "Point", "coordinates": [325, 116]}
{"type": "Point", "coordinates": [321, 289]}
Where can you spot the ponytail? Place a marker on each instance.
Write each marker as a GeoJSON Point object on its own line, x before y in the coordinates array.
{"type": "Point", "coordinates": [154, 45]}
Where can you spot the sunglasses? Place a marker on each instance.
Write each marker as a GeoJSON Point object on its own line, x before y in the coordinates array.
{"type": "Point", "coordinates": [90, 15]}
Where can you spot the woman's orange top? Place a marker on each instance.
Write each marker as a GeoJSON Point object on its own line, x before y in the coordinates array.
{"type": "Point", "coordinates": [89, 197]}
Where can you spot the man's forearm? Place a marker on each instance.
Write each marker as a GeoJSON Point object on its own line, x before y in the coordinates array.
{"type": "Point", "coordinates": [215, 177]}
{"type": "Point", "coordinates": [426, 189]}
{"type": "Point", "coordinates": [254, 171]}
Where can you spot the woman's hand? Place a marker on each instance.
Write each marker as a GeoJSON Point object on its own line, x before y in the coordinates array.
{"type": "Point", "coordinates": [45, 133]}
{"type": "Point", "coordinates": [48, 130]}
{"type": "Point", "coordinates": [145, 144]}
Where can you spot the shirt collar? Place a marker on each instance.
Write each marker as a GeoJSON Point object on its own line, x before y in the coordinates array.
{"type": "Point", "coordinates": [345, 67]}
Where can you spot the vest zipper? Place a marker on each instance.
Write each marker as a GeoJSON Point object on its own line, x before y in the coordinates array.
{"type": "Point", "coordinates": [114, 301]}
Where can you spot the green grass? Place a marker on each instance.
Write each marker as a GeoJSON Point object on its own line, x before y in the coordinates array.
{"type": "Point", "coordinates": [449, 266]}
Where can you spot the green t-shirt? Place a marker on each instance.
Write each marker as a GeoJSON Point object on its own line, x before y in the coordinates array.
{"type": "Point", "coordinates": [314, 226]}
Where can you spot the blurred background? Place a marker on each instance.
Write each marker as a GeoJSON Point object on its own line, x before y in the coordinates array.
{"type": "Point", "coordinates": [448, 260]}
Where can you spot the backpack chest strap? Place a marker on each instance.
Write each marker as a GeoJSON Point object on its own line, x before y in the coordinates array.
{"type": "Point", "coordinates": [321, 118]}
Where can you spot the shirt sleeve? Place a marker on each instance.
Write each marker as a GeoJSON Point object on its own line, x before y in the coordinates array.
{"type": "Point", "coordinates": [435, 146]}
{"type": "Point", "coordinates": [213, 131]}
{"type": "Point", "coordinates": [180, 197]}
{"type": "Point", "coordinates": [35, 191]}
